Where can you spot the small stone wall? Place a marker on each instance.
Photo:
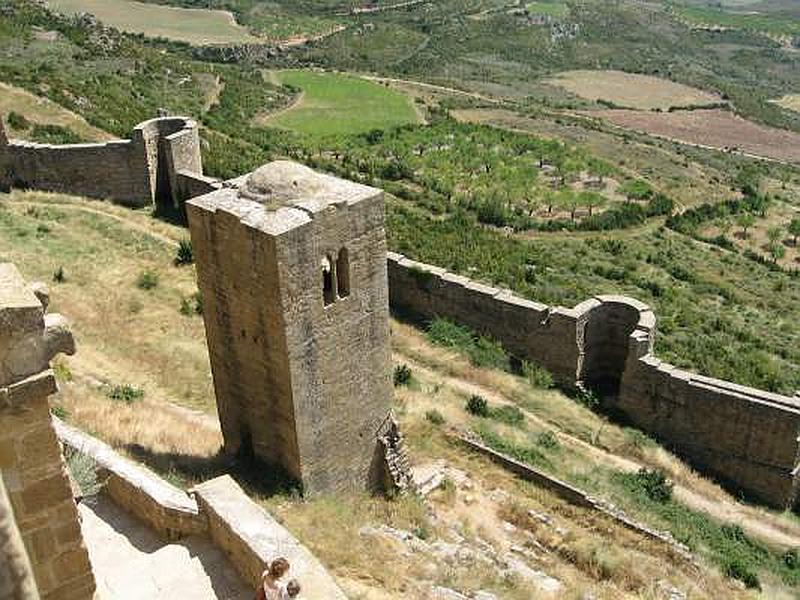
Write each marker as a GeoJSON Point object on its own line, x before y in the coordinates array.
{"type": "Point", "coordinates": [252, 538]}
{"type": "Point", "coordinates": [163, 507]}
{"type": "Point", "coordinates": [745, 438]}
{"type": "Point", "coordinates": [136, 172]}
{"type": "Point", "coordinates": [218, 508]}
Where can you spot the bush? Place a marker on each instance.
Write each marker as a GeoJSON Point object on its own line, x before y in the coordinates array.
{"type": "Point", "coordinates": [548, 440]}
{"type": "Point", "coordinates": [84, 472]}
{"type": "Point", "coordinates": [17, 121]}
{"type": "Point", "coordinates": [147, 280]}
{"type": "Point", "coordinates": [737, 569]}
{"type": "Point", "coordinates": [653, 484]}
{"type": "Point", "coordinates": [588, 398]}
{"type": "Point", "coordinates": [191, 305]}
{"type": "Point", "coordinates": [435, 417]}
{"type": "Point", "coordinates": [446, 333]}
{"type": "Point", "coordinates": [184, 254]}
{"type": "Point", "coordinates": [477, 405]}
{"type": "Point", "coordinates": [58, 275]}
{"type": "Point", "coordinates": [125, 393]}
{"type": "Point", "coordinates": [485, 352]}
{"type": "Point", "coordinates": [539, 377]}
{"type": "Point", "coordinates": [402, 375]}
{"type": "Point", "coordinates": [510, 415]}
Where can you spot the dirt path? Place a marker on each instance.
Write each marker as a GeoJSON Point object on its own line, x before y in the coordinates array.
{"type": "Point", "coordinates": [434, 87]}
{"type": "Point", "coordinates": [778, 535]}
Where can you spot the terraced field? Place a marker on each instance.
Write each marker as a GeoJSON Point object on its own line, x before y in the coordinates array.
{"type": "Point", "coordinates": [336, 104]}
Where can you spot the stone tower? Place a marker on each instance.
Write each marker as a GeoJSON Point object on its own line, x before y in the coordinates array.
{"type": "Point", "coordinates": [292, 268]}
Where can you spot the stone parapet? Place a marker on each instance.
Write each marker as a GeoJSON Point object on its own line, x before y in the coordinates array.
{"type": "Point", "coordinates": [252, 539]}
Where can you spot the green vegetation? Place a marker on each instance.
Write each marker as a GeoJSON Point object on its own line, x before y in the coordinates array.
{"type": "Point", "coordinates": [184, 254]}
{"type": "Point", "coordinates": [482, 351]}
{"type": "Point", "coordinates": [552, 8]}
{"type": "Point", "coordinates": [334, 104]}
{"type": "Point", "coordinates": [402, 375]}
{"type": "Point", "coordinates": [147, 280]}
{"type": "Point", "coordinates": [125, 393]}
{"type": "Point", "coordinates": [769, 23]}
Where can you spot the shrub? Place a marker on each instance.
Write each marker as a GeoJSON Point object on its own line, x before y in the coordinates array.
{"type": "Point", "coordinates": [510, 415]}
{"type": "Point", "coordinates": [18, 121]}
{"type": "Point", "coordinates": [737, 569]}
{"type": "Point", "coordinates": [588, 398]}
{"type": "Point", "coordinates": [539, 377]}
{"type": "Point", "coordinates": [486, 352]}
{"type": "Point", "coordinates": [184, 254]}
{"type": "Point", "coordinates": [402, 375]}
{"type": "Point", "coordinates": [435, 417]}
{"type": "Point", "coordinates": [147, 280]}
{"type": "Point", "coordinates": [548, 440]}
{"type": "Point", "coordinates": [84, 472]}
{"type": "Point", "coordinates": [191, 305]}
{"type": "Point", "coordinates": [125, 393]}
{"type": "Point", "coordinates": [59, 412]}
{"type": "Point", "coordinates": [59, 276]}
{"type": "Point", "coordinates": [653, 484]}
{"type": "Point", "coordinates": [446, 333]}
{"type": "Point", "coordinates": [477, 405]}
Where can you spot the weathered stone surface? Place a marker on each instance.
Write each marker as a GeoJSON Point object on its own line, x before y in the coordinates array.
{"type": "Point", "coordinates": [136, 171]}
{"type": "Point", "coordinates": [32, 468]}
{"type": "Point", "coordinates": [252, 538]}
{"type": "Point", "coordinates": [293, 274]}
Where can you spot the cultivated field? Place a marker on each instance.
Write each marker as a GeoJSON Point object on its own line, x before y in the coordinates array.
{"type": "Point", "coordinates": [45, 112]}
{"type": "Point", "coordinates": [336, 104]}
{"type": "Point", "coordinates": [194, 26]}
{"type": "Point", "coordinates": [631, 90]}
{"type": "Point", "coordinates": [712, 128]}
{"type": "Point", "coordinates": [553, 9]}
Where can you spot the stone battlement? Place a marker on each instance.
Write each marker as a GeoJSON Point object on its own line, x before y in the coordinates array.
{"type": "Point", "coordinates": [745, 438]}
{"type": "Point", "coordinates": [145, 169]}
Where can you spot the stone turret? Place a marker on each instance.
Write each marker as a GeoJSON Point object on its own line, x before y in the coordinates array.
{"type": "Point", "coordinates": [292, 267]}
{"type": "Point", "coordinates": [31, 465]}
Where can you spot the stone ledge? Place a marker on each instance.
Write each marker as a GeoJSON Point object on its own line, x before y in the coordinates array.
{"type": "Point", "coordinates": [252, 538]}
{"type": "Point", "coordinates": [162, 506]}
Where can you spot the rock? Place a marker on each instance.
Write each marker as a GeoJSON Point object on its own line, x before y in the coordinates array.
{"type": "Point", "coordinates": [537, 579]}
{"type": "Point", "coordinates": [541, 517]}
{"type": "Point", "coordinates": [443, 593]}
{"type": "Point", "coordinates": [667, 591]}
{"type": "Point", "coordinates": [481, 595]}
{"type": "Point", "coordinates": [509, 527]}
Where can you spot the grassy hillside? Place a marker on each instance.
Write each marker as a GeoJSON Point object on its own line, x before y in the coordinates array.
{"type": "Point", "coordinates": [142, 362]}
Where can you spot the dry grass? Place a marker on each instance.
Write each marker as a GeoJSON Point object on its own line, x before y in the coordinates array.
{"type": "Point", "coordinates": [631, 90]}
{"type": "Point", "coordinates": [194, 26]}
{"type": "Point", "coordinates": [790, 101]}
{"type": "Point", "coordinates": [45, 112]}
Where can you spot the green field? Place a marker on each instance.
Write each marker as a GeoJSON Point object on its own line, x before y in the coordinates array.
{"type": "Point", "coordinates": [334, 104]}
{"type": "Point", "coordinates": [774, 24]}
{"type": "Point", "coordinates": [553, 9]}
{"type": "Point", "coordinates": [194, 26]}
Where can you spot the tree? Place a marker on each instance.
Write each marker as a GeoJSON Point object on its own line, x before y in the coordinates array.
{"type": "Point", "coordinates": [746, 221]}
{"type": "Point", "coordinates": [570, 201]}
{"type": "Point", "coordinates": [794, 229]}
{"type": "Point", "coordinates": [592, 200]}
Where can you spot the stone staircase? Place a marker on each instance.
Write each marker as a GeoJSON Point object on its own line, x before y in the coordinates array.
{"type": "Point", "coordinates": [397, 464]}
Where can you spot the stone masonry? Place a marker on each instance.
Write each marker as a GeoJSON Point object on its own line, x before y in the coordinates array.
{"type": "Point", "coordinates": [31, 465]}
{"type": "Point", "coordinates": [292, 268]}
{"type": "Point", "coordinates": [160, 164]}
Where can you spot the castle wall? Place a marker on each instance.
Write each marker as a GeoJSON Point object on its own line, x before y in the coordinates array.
{"type": "Point", "coordinates": [745, 438]}
{"type": "Point", "coordinates": [528, 330]}
{"type": "Point", "coordinates": [136, 172]}
{"type": "Point", "coordinates": [31, 465]}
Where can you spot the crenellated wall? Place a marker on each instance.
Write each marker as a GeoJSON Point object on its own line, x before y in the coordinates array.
{"type": "Point", "coordinates": [747, 439]}
{"type": "Point", "coordinates": [136, 172]}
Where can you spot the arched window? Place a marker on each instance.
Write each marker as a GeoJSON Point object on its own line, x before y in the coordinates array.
{"type": "Point", "coordinates": [343, 273]}
{"type": "Point", "coordinates": [328, 293]}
